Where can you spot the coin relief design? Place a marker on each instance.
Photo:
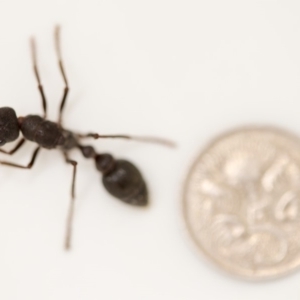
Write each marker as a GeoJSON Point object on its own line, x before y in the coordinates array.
{"type": "Point", "coordinates": [242, 201]}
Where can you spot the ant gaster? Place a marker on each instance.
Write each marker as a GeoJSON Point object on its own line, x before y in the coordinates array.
{"type": "Point", "coordinates": [120, 177]}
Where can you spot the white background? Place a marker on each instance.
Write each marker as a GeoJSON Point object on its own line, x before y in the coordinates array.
{"type": "Point", "coordinates": [186, 70]}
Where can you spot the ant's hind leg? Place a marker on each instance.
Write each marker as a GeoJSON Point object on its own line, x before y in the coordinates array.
{"type": "Point", "coordinates": [29, 166]}
{"type": "Point", "coordinates": [63, 73]}
{"type": "Point", "coordinates": [37, 76]}
{"type": "Point", "coordinates": [72, 203]}
{"type": "Point", "coordinates": [144, 139]}
{"type": "Point", "coordinates": [15, 149]}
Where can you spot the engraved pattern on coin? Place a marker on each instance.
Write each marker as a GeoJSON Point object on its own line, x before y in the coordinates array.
{"type": "Point", "coordinates": [242, 202]}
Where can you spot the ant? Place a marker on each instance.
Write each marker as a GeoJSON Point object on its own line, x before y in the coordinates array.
{"type": "Point", "coordinates": [119, 177]}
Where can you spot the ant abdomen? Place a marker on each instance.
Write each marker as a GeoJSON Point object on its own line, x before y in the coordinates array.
{"type": "Point", "coordinates": [122, 180]}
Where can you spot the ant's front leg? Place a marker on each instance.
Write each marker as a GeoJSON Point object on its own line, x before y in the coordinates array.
{"type": "Point", "coordinates": [63, 73]}
{"type": "Point", "coordinates": [29, 166]}
{"type": "Point", "coordinates": [145, 139]}
{"type": "Point", "coordinates": [15, 149]}
{"type": "Point", "coordinates": [37, 76]}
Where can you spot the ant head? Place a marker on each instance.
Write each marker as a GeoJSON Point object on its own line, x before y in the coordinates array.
{"type": "Point", "coordinates": [9, 126]}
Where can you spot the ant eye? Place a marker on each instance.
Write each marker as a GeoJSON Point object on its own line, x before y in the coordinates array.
{"type": "Point", "coordinates": [2, 142]}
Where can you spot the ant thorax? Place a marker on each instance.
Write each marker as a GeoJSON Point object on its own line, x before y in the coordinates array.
{"type": "Point", "coordinates": [45, 133]}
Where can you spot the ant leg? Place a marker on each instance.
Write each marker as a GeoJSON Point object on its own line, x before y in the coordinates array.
{"type": "Point", "coordinates": [72, 204]}
{"type": "Point", "coordinates": [29, 166]}
{"type": "Point", "coordinates": [15, 149]}
{"type": "Point", "coordinates": [36, 72]}
{"type": "Point", "coordinates": [148, 139]}
{"type": "Point", "coordinates": [63, 73]}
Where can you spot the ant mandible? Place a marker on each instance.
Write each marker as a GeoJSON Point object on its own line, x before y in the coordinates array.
{"type": "Point", "coordinates": [120, 177]}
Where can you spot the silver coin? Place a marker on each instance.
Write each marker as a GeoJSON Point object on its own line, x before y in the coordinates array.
{"type": "Point", "coordinates": [242, 202]}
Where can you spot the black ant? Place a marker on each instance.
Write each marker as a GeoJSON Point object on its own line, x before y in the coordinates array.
{"type": "Point", "coordinates": [120, 177]}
